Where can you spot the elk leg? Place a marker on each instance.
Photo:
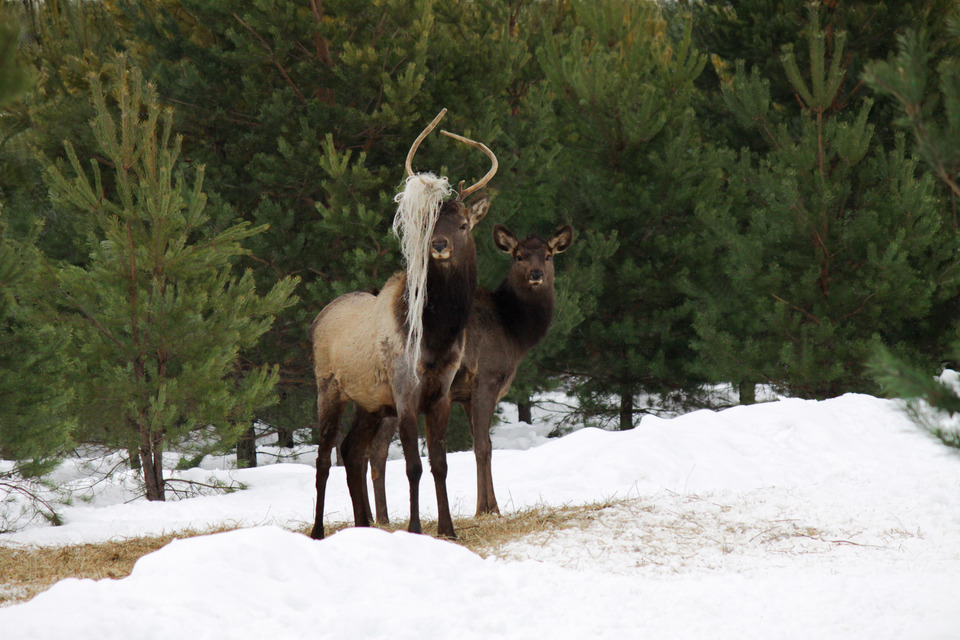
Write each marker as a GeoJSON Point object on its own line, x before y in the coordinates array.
{"type": "Point", "coordinates": [407, 422]}
{"type": "Point", "coordinates": [481, 416]}
{"type": "Point", "coordinates": [329, 409]}
{"type": "Point", "coordinates": [354, 450]}
{"type": "Point", "coordinates": [378, 467]}
{"type": "Point", "coordinates": [436, 428]}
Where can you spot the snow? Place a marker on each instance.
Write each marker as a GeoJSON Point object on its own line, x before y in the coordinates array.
{"type": "Point", "coordinates": [788, 519]}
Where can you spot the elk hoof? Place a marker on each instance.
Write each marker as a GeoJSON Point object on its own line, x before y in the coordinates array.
{"type": "Point", "coordinates": [447, 535]}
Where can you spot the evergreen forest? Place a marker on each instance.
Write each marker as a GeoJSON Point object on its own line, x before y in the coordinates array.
{"type": "Point", "coordinates": [764, 195]}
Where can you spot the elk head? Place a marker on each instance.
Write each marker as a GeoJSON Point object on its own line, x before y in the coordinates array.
{"type": "Point", "coordinates": [437, 244]}
{"type": "Point", "coordinates": [450, 236]}
{"type": "Point", "coordinates": [452, 231]}
{"type": "Point", "coordinates": [455, 222]}
{"type": "Point", "coordinates": [532, 266]}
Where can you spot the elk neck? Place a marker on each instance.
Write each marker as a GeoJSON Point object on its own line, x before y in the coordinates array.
{"type": "Point", "coordinates": [450, 296]}
{"type": "Point", "coordinates": [524, 314]}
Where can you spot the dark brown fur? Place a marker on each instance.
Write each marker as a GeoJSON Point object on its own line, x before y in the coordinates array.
{"type": "Point", "coordinates": [505, 324]}
{"type": "Point", "coordinates": [362, 359]}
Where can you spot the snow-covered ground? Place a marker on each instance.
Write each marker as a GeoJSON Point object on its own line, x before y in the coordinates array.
{"type": "Point", "coordinates": [789, 519]}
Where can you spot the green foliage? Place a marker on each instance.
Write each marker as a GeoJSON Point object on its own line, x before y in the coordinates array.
{"type": "Point", "coordinates": [921, 77]}
{"type": "Point", "coordinates": [932, 402]}
{"type": "Point", "coordinates": [35, 420]}
{"type": "Point", "coordinates": [755, 33]}
{"type": "Point", "coordinates": [61, 41]}
{"type": "Point", "coordinates": [827, 245]}
{"type": "Point", "coordinates": [634, 174]}
{"type": "Point", "coordinates": [927, 96]}
{"type": "Point", "coordinates": [161, 320]}
{"type": "Point", "coordinates": [15, 78]}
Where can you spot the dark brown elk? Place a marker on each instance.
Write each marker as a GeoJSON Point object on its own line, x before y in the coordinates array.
{"type": "Point", "coordinates": [505, 324]}
{"type": "Point", "coordinates": [362, 352]}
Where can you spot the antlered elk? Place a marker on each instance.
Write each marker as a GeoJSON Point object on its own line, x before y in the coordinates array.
{"type": "Point", "coordinates": [504, 325]}
{"type": "Point", "coordinates": [396, 353]}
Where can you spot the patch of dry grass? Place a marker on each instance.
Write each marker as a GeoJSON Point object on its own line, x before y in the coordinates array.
{"type": "Point", "coordinates": [27, 571]}
{"type": "Point", "coordinates": [484, 535]}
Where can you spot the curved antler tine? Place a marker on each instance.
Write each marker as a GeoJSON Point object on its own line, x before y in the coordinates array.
{"type": "Point", "coordinates": [416, 143]}
{"type": "Point", "coordinates": [493, 159]}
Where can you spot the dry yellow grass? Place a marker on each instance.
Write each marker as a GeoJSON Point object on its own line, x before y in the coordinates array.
{"type": "Point", "coordinates": [25, 572]}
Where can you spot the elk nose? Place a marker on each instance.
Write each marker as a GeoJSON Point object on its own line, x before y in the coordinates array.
{"type": "Point", "coordinates": [536, 276]}
{"type": "Point", "coordinates": [439, 245]}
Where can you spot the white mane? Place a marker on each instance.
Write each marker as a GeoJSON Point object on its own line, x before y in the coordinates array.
{"type": "Point", "coordinates": [417, 212]}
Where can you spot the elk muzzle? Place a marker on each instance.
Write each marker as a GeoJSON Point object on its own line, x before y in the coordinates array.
{"type": "Point", "coordinates": [440, 250]}
{"type": "Point", "coordinates": [535, 277]}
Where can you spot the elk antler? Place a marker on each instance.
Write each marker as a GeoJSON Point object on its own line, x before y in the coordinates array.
{"type": "Point", "coordinates": [485, 179]}
{"type": "Point", "coordinates": [416, 143]}
{"type": "Point", "coordinates": [473, 143]}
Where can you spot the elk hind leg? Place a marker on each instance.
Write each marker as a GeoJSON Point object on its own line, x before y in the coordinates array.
{"type": "Point", "coordinates": [329, 410]}
{"type": "Point", "coordinates": [480, 413]}
{"type": "Point", "coordinates": [378, 451]}
{"type": "Point", "coordinates": [354, 448]}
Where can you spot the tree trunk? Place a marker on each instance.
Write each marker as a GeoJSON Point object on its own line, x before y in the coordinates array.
{"type": "Point", "coordinates": [133, 458]}
{"type": "Point", "coordinates": [626, 410]}
{"type": "Point", "coordinates": [748, 392]}
{"type": "Point", "coordinates": [524, 412]}
{"type": "Point", "coordinates": [285, 438]}
{"type": "Point", "coordinates": [151, 462]}
{"type": "Point", "coordinates": [247, 449]}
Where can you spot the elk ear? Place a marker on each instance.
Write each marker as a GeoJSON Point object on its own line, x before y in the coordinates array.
{"type": "Point", "coordinates": [504, 238]}
{"type": "Point", "coordinates": [561, 240]}
{"type": "Point", "coordinates": [477, 210]}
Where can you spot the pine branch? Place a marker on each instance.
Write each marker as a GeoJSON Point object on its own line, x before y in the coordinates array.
{"type": "Point", "coordinates": [90, 317]}
{"type": "Point", "coordinates": [323, 50]}
{"type": "Point", "coordinates": [273, 58]}
{"type": "Point", "coordinates": [814, 318]}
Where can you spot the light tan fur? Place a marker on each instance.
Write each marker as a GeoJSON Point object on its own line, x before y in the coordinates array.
{"type": "Point", "coordinates": [361, 368]}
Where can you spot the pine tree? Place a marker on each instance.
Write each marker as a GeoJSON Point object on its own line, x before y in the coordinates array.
{"type": "Point", "coordinates": [755, 32]}
{"type": "Point", "coordinates": [926, 94]}
{"type": "Point", "coordinates": [161, 321]}
{"type": "Point", "coordinates": [634, 172]}
{"type": "Point", "coordinates": [34, 420]}
{"type": "Point", "coordinates": [15, 78]}
{"type": "Point", "coordinates": [61, 41]}
{"type": "Point", "coordinates": [829, 243]}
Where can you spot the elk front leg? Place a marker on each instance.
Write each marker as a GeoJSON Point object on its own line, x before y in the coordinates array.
{"type": "Point", "coordinates": [481, 416]}
{"type": "Point", "coordinates": [407, 424]}
{"type": "Point", "coordinates": [436, 428]}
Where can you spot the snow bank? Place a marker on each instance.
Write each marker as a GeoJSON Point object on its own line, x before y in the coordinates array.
{"type": "Point", "coordinates": [269, 583]}
{"type": "Point", "coordinates": [791, 519]}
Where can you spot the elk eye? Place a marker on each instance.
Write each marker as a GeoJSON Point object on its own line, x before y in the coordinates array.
{"type": "Point", "coordinates": [548, 258]}
{"type": "Point", "coordinates": [518, 258]}
{"type": "Point", "coordinates": [463, 227]}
